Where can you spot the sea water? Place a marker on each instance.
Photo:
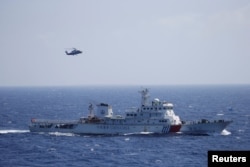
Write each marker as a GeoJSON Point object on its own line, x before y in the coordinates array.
{"type": "Point", "coordinates": [19, 147]}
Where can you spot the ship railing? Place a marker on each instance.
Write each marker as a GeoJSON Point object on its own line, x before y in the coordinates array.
{"type": "Point", "coordinates": [204, 121]}
{"type": "Point", "coordinates": [132, 109]}
{"type": "Point", "coordinates": [54, 121]}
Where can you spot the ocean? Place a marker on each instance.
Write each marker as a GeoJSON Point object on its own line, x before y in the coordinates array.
{"type": "Point", "coordinates": [19, 147]}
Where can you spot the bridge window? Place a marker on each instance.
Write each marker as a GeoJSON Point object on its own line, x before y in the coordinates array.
{"type": "Point", "coordinates": [132, 115]}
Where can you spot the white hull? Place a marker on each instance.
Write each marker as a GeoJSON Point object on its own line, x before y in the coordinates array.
{"type": "Point", "coordinates": [204, 127]}
{"type": "Point", "coordinates": [96, 128]}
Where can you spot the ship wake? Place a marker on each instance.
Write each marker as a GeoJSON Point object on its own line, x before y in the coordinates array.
{"type": "Point", "coordinates": [6, 131]}
{"type": "Point", "coordinates": [62, 134]}
{"type": "Point", "coordinates": [138, 133]}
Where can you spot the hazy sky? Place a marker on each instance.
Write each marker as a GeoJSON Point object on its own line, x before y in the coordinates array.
{"type": "Point", "coordinates": [135, 42]}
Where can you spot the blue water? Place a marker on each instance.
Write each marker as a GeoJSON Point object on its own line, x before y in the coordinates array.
{"type": "Point", "coordinates": [19, 147]}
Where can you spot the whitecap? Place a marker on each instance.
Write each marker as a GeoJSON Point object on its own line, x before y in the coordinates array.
{"type": "Point", "coordinates": [86, 136]}
{"type": "Point", "coordinates": [158, 161]}
{"type": "Point", "coordinates": [97, 145]}
{"type": "Point", "coordinates": [241, 130]}
{"type": "Point", "coordinates": [146, 133]}
{"type": "Point", "coordinates": [131, 154]}
{"type": "Point", "coordinates": [126, 134]}
{"type": "Point", "coordinates": [225, 132]}
{"type": "Point", "coordinates": [13, 131]}
{"type": "Point", "coordinates": [51, 149]}
{"type": "Point", "coordinates": [127, 139]}
{"type": "Point", "coordinates": [138, 133]}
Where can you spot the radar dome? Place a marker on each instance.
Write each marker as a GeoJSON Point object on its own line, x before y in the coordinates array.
{"type": "Point", "coordinates": [156, 100]}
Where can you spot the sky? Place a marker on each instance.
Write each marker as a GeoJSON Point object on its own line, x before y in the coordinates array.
{"type": "Point", "coordinates": [124, 42]}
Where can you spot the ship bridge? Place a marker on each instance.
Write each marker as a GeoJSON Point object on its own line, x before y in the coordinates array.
{"type": "Point", "coordinates": [104, 110]}
{"type": "Point", "coordinates": [157, 109]}
{"type": "Point", "coordinates": [157, 105]}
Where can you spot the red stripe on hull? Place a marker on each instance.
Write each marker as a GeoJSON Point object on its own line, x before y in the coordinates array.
{"type": "Point", "coordinates": [175, 128]}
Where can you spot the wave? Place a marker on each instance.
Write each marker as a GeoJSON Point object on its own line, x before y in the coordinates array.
{"type": "Point", "coordinates": [61, 134]}
{"type": "Point", "coordinates": [138, 133]}
{"type": "Point", "coordinates": [127, 139]}
{"type": "Point", "coordinates": [225, 132]}
{"type": "Point", "coordinates": [6, 131]}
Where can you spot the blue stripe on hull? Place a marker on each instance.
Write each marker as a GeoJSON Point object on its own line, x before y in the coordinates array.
{"type": "Point", "coordinates": [165, 129]}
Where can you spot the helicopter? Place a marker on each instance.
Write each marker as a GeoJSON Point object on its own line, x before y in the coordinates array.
{"type": "Point", "coordinates": [73, 52]}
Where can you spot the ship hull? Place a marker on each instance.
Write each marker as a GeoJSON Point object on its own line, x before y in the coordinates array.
{"type": "Point", "coordinates": [96, 128]}
{"type": "Point", "coordinates": [204, 127]}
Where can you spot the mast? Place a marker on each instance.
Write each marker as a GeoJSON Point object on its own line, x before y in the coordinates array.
{"type": "Point", "coordinates": [144, 96]}
{"type": "Point", "coordinates": [91, 110]}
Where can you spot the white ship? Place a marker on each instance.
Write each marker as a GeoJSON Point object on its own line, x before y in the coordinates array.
{"type": "Point", "coordinates": [156, 117]}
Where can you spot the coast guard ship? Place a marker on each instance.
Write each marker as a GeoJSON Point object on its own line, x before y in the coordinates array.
{"type": "Point", "coordinates": [156, 117]}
